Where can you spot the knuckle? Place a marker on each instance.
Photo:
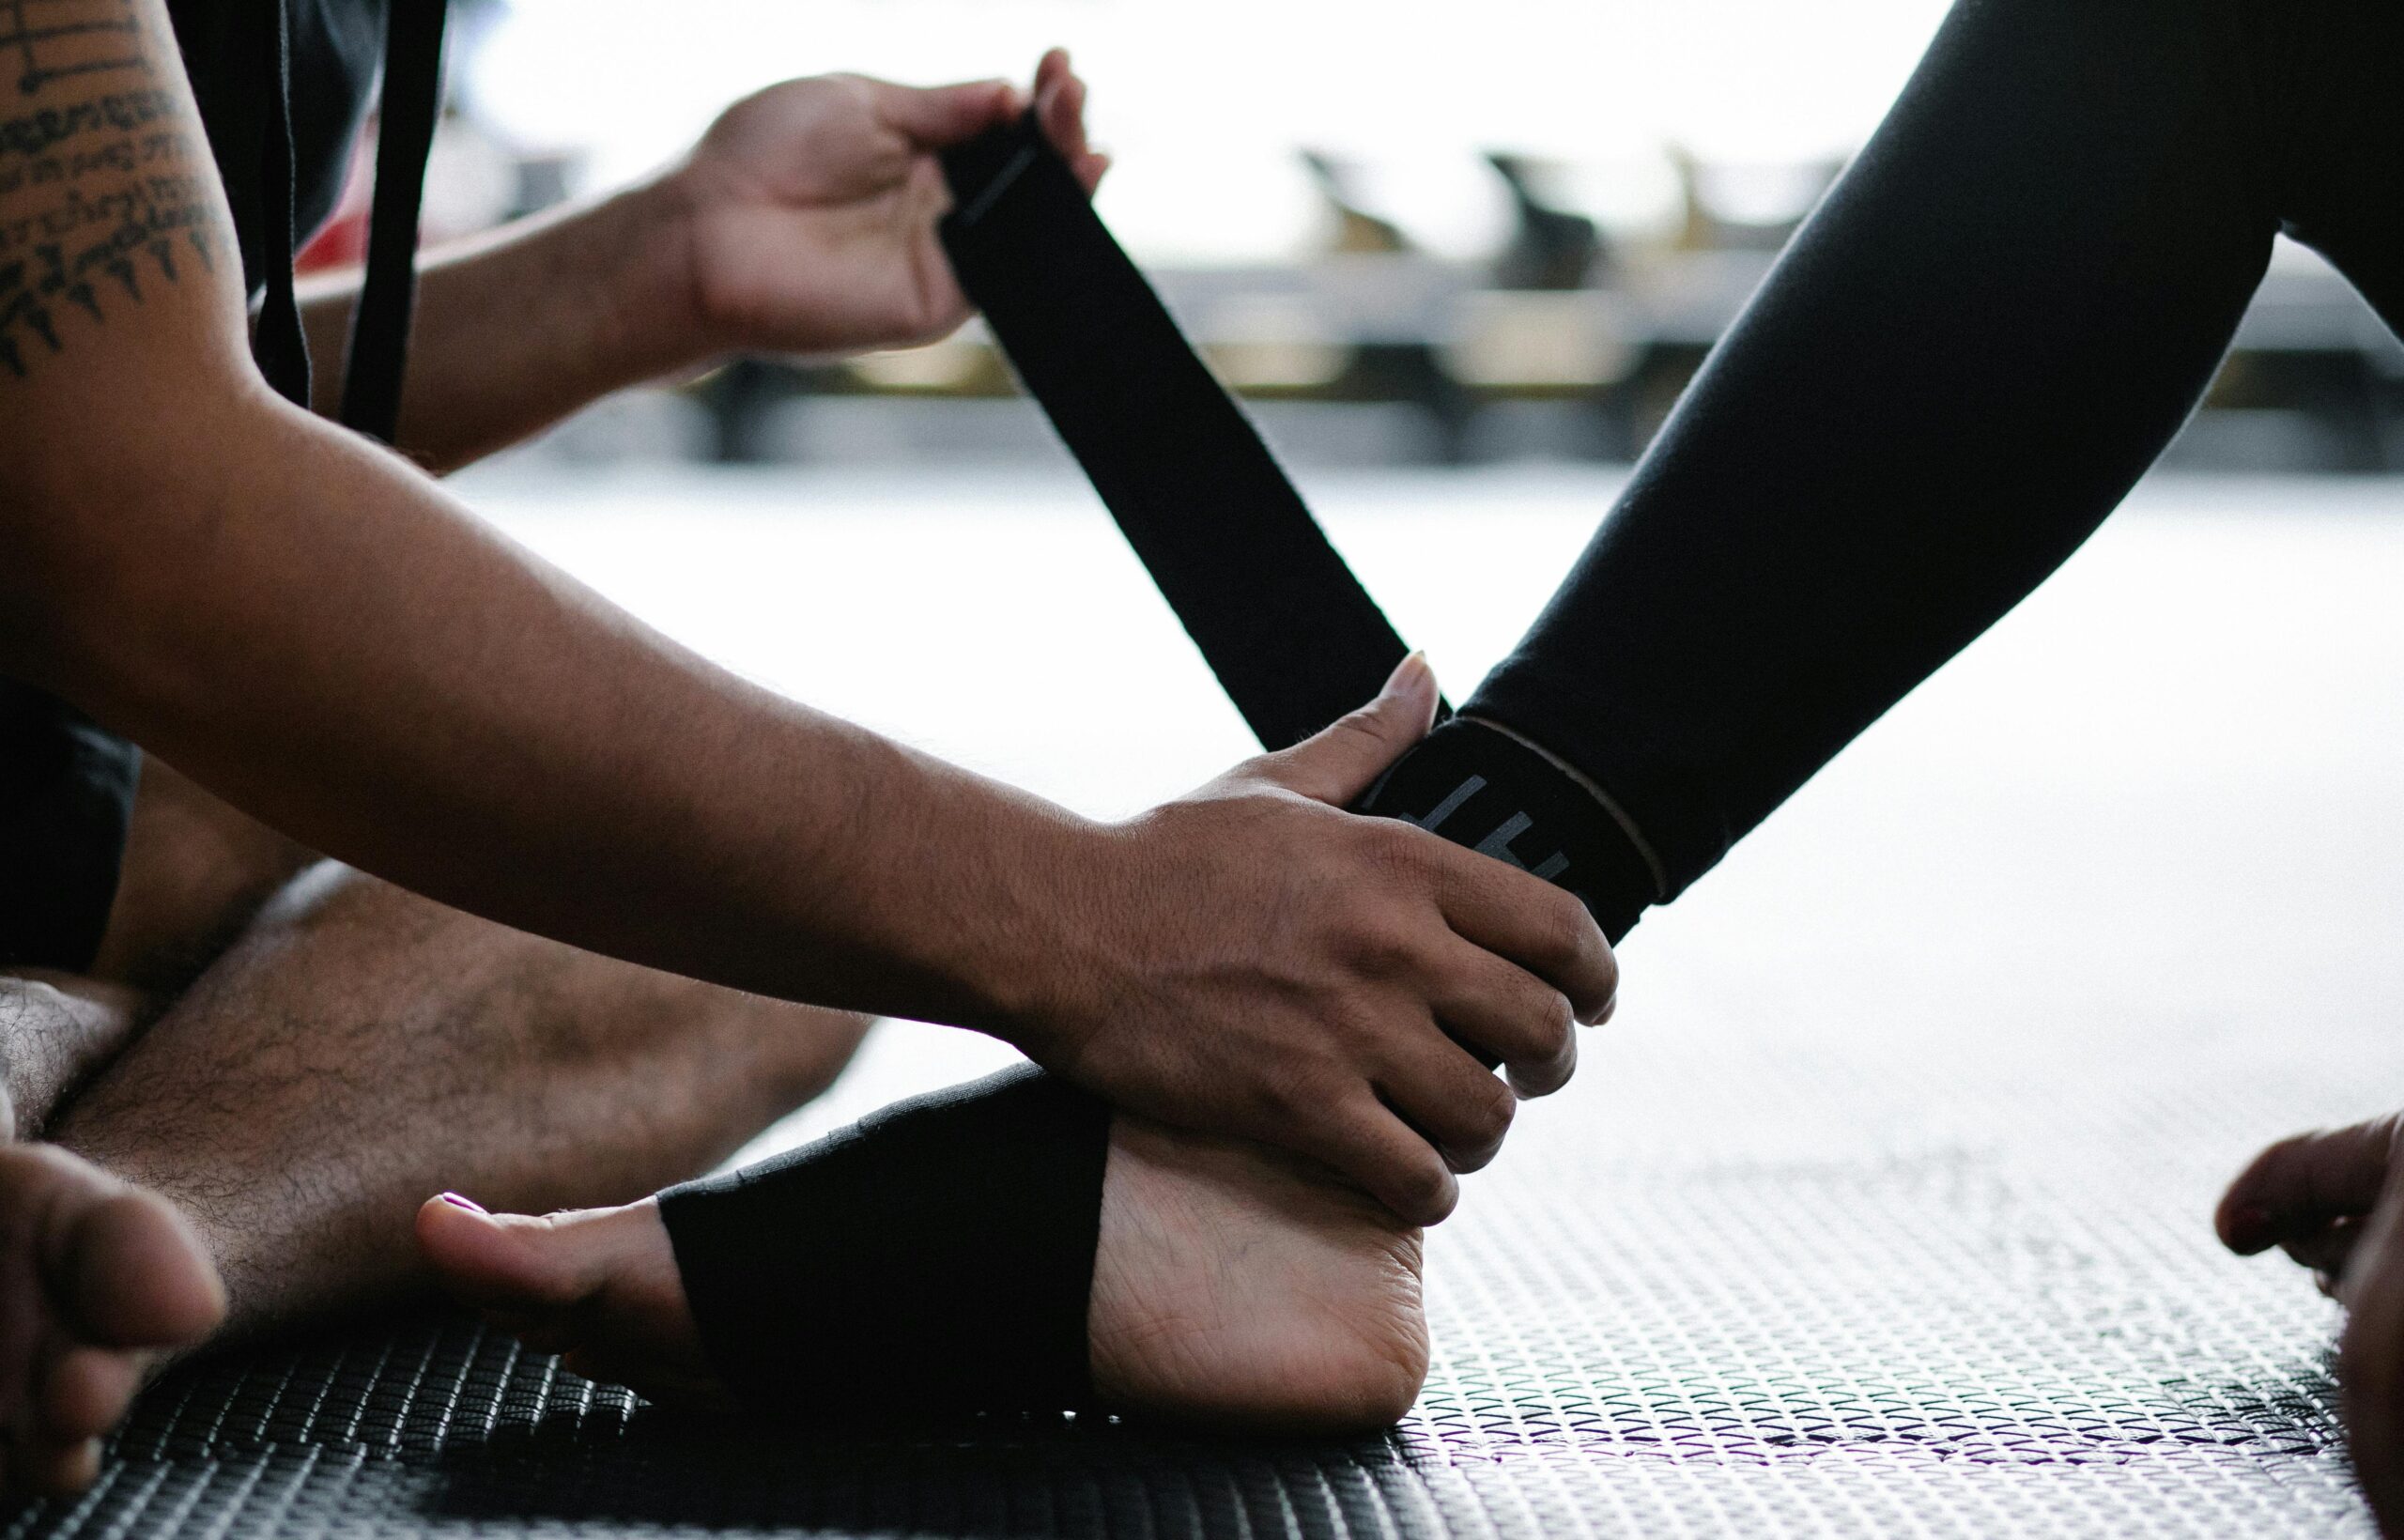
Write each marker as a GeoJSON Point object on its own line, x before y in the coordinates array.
{"type": "Point", "coordinates": [1387, 850]}
{"type": "Point", "coordinates": [1433, 1192]}
{"type": "Point", "coordinates": [1554, 1025]}
{"type": "Point", "coordinates": [1492, 1108]}
{"type": "Point", "coordinates": [1291, 1097]}
{"type": "Point", "coordinates": [1568, 937]}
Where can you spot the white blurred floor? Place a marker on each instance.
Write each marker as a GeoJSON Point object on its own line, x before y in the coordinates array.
{"type": "Point", "coordinates": [2166, 789]}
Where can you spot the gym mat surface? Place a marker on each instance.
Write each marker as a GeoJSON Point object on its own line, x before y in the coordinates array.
{"type": "Point", "coordinates": [2025, 1333]}
{"type": "Point", "coordinates": [1882, 1209]}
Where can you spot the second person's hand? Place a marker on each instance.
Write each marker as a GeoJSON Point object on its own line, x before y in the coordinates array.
{"type": "Point", "coordinates": [808, 211]}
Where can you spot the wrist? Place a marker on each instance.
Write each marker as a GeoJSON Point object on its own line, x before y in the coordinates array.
{"type": "Point", "coordinates": [658, 305]}
{"type": "Point", "coordinates": [1038, 967]}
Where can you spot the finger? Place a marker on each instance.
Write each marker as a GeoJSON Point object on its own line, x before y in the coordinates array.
{"type": "Point", "coordinates": [1051, 68]}
{"type": "Point", "coordinates": [945, 115]}
{"type": "Point", "coordinates": [1091, 168]}
{"type": "Point", "coordinates": [2328, 1250]}
{"type": "Point", "coordinates": [2370, 1366]}
{"type": "Point", "coordinates": [1367, 1143]}
{"type": "Point", "coordinates": [2297, 1186]}
{"type": "Point", "coordinates": [1455, 1103]}
{"type": "Point", "coordinates": [1521, 918]}
{"type": "Point", "coordinates": [1511, 1016]}
{"type": "Point", "coordinates": [1061, 108]}
{"type": "Point", "coordinates": [1337, 764]}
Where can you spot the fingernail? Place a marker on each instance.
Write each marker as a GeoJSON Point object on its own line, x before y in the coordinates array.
{"type": "Point", "coordinates": [456, 1201]}
{"type": "Point", "coordinates": [1406, 674]}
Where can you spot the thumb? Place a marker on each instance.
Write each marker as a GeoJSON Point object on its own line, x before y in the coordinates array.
{"type": "Point", "coordinates": [1338, 764]}
{"type": "Point", "coordinates": [943, 115]}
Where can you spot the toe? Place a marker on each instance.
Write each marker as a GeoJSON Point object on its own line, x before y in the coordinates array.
{"type": "Point", "coordinates": [486, 1262]}
{"type": "Point", "coordinates": [137, 1275]}
{"type": "Point", "coordinates": [517, 1263]}
{"type": "Point", "coordinates": [87, 1392]}
{"type": "Point", "coordinates": [57, 1470]}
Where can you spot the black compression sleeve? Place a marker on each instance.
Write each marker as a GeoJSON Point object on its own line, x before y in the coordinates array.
{"type": "Point", "coordinates": [932, 1259]}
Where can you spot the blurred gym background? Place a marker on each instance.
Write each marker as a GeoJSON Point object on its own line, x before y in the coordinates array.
{"type": "Point", "coordinates": [1412, 235]}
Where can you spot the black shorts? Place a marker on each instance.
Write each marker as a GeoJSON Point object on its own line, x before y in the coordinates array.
{"type": "Point", "coordinates": [66, 798]}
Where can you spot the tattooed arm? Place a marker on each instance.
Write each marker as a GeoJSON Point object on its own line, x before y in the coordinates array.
{"type": "Point", "coordinates": [802, 223]}
{"type": "Point", "coordinates": [307, 625]}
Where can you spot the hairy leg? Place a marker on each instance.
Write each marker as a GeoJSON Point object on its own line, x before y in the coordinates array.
{"type": "Point", "coordinates": [273, 1062]}
{"type": "Point", "coordinates": [358, 1047]}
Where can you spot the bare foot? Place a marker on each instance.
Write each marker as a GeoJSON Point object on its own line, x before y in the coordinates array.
{"type": "Point", "coordinates": [1235, 1288]}
{"type": "Point", "coordinates": [1230, 1288]}
{"type": "Point", "coordinates": [94, 1274]}
{"type": "Point", "coordinates": [2327, 1200]}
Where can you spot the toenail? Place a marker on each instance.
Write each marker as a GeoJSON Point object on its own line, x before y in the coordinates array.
{"type": "Point", "coordinates": [457, 1202]}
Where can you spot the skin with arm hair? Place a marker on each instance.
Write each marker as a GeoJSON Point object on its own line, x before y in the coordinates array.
{"type": "Point", "coordinates": [803, 223]}
{"type": "Point", "coordinates": [310, 627]}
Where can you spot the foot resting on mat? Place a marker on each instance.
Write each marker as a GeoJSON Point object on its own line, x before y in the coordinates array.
{"type": "Point", "coordinates": [99, 1274]}
{"type": "Point", "coordinates": [2333, 1201]}
{"type": "Point", "coordinates": [1230, 1287]}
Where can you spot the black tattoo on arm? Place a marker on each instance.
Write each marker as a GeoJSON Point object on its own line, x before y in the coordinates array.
{"type": "Point", "coordinates": [98, 194]}
{"type": "Point", "coordinates": [53, 43]}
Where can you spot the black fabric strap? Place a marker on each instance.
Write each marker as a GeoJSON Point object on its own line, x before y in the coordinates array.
{"type": "Point", "coordinates": [379, 326]}
{"type": "Point", "coordinates": [1485, 790]}
{"type": "Point", "coordinates": [1295, 640]}
{"type": "Point", "coordinates": [1293, 636]}
{"type": "Point", "coordinates": [934, 1259]}
{"type": "Point", "coordinates": [279, 345]}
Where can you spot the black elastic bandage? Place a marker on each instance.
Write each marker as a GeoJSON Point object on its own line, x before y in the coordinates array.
{"type": "Point", "coordinates": [932, 1259]}
{"type": "Point", "coordinates": [1294, 639]}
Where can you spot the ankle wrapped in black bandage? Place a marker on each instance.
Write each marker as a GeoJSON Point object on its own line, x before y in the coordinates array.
{"type": "Point", "coordinates": [932, 1259]}
{"type": "Point", "coordinates": [1485, 790]}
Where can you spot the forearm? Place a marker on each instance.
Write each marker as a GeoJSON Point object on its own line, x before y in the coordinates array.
{"type": "Point", "coordinates": [519, 326]}
{"type": "Point", "coordinates": [1990, 326]}
{"type": "Point", "coordinates": [317, 633]}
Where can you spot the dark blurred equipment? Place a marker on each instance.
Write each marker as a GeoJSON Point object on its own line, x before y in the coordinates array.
{"type": "Point", "coordinates": [1551, 247]}
{"type": "Point", "coordinates": [1357, 230]}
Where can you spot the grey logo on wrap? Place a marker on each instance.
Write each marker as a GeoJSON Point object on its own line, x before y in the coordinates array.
{"type": "Point", "coordinates": [1497, 845]}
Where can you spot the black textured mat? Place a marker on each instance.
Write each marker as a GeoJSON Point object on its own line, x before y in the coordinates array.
{"type": "Point", "coordinates": [1808, 1285]}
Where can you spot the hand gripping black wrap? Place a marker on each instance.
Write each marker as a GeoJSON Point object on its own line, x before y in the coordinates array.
{"type": "Point", "coordinates": [932, 1260]}
{"type": "Point", "coordinates": [1293, 636]}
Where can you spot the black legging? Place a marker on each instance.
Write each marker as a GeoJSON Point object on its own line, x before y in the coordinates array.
{"type": "Point", "coordinates": [1973, 349]}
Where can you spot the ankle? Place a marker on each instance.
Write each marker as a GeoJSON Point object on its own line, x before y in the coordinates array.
{"type": "Point", "coordinates": [1487, 787]}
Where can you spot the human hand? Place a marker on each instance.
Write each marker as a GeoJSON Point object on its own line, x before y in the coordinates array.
{"type": "Point", "coordinates": [2329, 1201]}
{"type": "Point", "coordinates": [1254, 960]}
{"type": "Point", "coordinates": [808, 211]}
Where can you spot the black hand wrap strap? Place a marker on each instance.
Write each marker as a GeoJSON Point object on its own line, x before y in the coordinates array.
{"type": "Point", "coordinates": [932, 1259]}
{"type": "Point", "coordinates": [1295, 640]}
{"type": "Point", "coordinates": [1293, 636]}
{"type": "Point", "coordinates": [379, 326]}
